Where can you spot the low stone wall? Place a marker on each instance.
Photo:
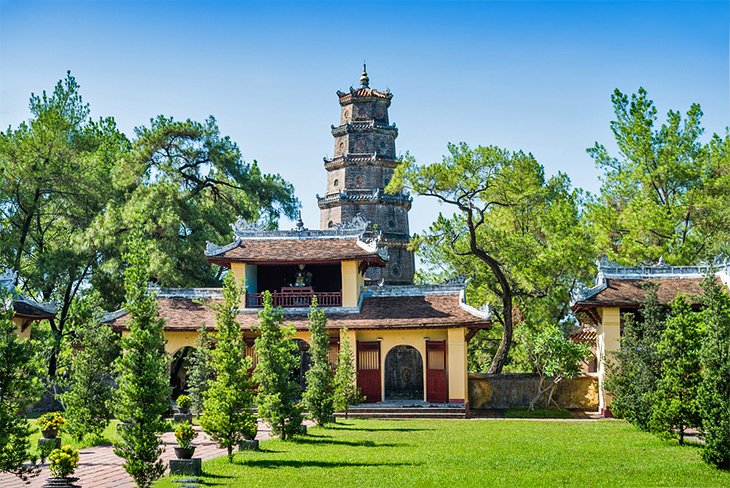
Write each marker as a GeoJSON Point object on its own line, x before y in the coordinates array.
{"type": "Point", "coordinates": [489, 391]}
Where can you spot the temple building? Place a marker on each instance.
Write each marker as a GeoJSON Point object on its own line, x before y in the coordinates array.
{"type": "Point", "coordinates": [619, 290]}
{"type": "Point", "coordinates": [26, 311]}
{"type": "Point", "coordinates": [410, 342]}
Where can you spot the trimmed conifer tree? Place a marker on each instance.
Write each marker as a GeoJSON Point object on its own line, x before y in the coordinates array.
{"type": "Point", "coordinates": [319, 395]}
{"type": "Point", "coordinates": [675, 407]}
{"type": "Point", "coordinates": [89, 399]}
{"type": "Point", "coordinates": [19, 386]}
{"type": "Point", "coordinates": [345, 383]}
{"type": "Point", "coordinates": [227, 410]}
{"type": "Point", "coordinates": [278, 391]}
{"type": "Point", "coordinates": [714, 388]}
{"type": "Point", "coordinates": [200, 371]}
{"type": "Point", "coordinates": [636, 367]}
{"type": "Point", "coordinates": [143, 395]}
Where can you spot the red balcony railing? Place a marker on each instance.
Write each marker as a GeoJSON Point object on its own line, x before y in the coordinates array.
{"type": "Point", "coordinates": [292, 296]}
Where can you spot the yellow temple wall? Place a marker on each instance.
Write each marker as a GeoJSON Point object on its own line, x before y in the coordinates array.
{"type": "Point", "coordinates": [352, 282]}
{"type": "Point", "coordinates": [608, 340]}
{"type": "Point", "coordinates": [388, 339]}
{"type": "Point", "coordinates": [456, 356]}
{"type": "Point", "coordinates": [22, 333]}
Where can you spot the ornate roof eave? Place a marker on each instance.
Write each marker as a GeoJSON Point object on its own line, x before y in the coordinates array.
{"type": "Point", "coordinates": [363, 94]}
{"type": "Point", "coordinates": [354, 128]}
{"type": "Point", "coordinates": [375, 196]}
{"type": "Point", "coordinates": [344, 160]}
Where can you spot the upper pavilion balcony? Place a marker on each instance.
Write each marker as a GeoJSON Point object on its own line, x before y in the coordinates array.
{"type": "Point", "coordinates": [297, 265]}
{"type": "Point", "coordinates": [296, 297]}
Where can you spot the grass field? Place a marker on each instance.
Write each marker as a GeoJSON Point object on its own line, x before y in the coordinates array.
{"type": "Point", "coordinates": [467, 453]}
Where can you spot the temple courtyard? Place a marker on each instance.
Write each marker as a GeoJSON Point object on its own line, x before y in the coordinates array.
{"type": "Point", "coordinates": [480, 452]}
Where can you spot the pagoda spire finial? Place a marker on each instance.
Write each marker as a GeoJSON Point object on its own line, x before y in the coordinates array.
{"type": "Point", "coordinates": [364, 80]}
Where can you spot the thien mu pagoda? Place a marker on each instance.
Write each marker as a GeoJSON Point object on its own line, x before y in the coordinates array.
{"type": "Point", "coordinates": [410, 341]}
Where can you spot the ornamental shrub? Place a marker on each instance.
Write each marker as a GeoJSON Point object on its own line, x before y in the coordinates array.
{"type": "Point", "coordinates": [346, 392]}
{"type": "Point", "coordinates": [64, 461]}
{"type": "Point", "coordinates": [636, 367]}
{"type": "Point", "coordinates": [19, 387]}
{"type": "Point", "coordinates": [675, 407]}
{"type": "Point", "coordinates": [714, 388]}
{"type": "Point", "coordinates": [227, 403]}
{"type": "Point", "coordinates": [184, 434]}
{"type": "Point", "coordinates": [89, 400]}
{"type": "Point", "coordinates": [319, 395]}
{"type": "Point", "coordinates": [51, 421]}
{"type": "Point", "coordinates": [278, 390]}
{"type": "Point", "coordinates": [184, 401]}
{"type": "Point", "coordinates": [200, 370]}
{"type": "Point", "coordinates": [144, 384]}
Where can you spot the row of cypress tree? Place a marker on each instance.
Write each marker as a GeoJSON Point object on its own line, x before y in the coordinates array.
{"type": "Point", "coordinates": [672, 372]}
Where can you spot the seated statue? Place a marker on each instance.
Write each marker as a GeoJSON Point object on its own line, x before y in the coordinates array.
{"type": "Point", "coordinates": [303, 278]}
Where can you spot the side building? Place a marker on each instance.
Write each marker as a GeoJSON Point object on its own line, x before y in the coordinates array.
{"type": "Point", "coordinates": [620, 290]}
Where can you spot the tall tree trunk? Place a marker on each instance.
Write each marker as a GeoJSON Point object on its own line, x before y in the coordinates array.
{"type": "Point", "coordinates": [500, 358]}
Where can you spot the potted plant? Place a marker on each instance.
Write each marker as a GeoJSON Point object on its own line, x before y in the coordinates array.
{"type": "Point", "coordinates": [50, 423]}
{"type": "Point", "coordinates": [62, 463]}
{"type": "Point", "coordinates": [184, 434]}
{"type": "Point", "coordinates": [249, 442]}
{"type": "Point", "coordinates": [184, 403]}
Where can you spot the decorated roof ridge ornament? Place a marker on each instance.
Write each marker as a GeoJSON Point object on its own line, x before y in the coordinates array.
{"type": "Point", "coordinates": [357, 223]}
{"type": "Point", "coordinates": [300, 223]}
{"type": "Point", "coordinates": [364, 79]}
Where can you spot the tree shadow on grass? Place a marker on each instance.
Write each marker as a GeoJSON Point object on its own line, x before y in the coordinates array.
{"type": "Point", "coordinates": [289, 463]}
{"type": "Point", "coordinates": [328, 440]}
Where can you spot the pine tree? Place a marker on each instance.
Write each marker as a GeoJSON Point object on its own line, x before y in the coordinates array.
{"type": "Point", "coordinates": [200, 372]}
{"type": "Point", "coordinates": [675, 406]}
{"type": "Point", "coordinates": [633, 378]}
{"type": "Point", "coordinates": [227, 409]}
{"type": "Point", "coordinates": [19, 386]}
{"type": "Point", "coordinates": [144, 391]}
{"type": "Point", "coordinates": [90, 396]}
{"type": "Point", "coordinates": [345, 383]}
{"type": "Point", "coordinates": [277, 357]}
{"type": "Point", "coordinates": [714, 388]}
{"type": "Point", "coordinates": [319, 396]}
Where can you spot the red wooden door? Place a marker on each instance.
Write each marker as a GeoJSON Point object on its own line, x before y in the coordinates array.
{"type": "Point", "coordinates": [368, 370]}
{"type": "Point", "coordinates": [436, 371]}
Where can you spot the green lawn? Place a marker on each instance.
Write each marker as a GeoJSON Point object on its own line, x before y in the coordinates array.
{"type": "Point", "coordinates": [467, 453]}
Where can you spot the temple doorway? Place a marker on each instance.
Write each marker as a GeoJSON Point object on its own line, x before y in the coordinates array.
{"type": "Point", "coordinates": [403, 374]}
{"type": "Point", "coordinates": [179, 371]}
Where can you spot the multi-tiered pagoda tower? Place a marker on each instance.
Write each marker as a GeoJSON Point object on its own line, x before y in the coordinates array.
{"type": "Point", "coordinates": [363, 164]}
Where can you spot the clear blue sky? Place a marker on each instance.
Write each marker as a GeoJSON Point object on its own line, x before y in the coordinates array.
{"type": "Point", "coordinates": [524, 75]}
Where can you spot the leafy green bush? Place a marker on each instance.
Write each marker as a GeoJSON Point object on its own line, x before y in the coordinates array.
{"type": "Point", "coordinates": [51, 421]}
{"type": "Point", "coordinates": [184, 401]}
{"type": "Point", "coordinates": [64, 461]}
{"type": "Point", "coordinates": [184, 434]}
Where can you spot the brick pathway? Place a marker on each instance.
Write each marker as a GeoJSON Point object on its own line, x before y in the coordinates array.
{"type": "Point", "coordinates": [99, 467]}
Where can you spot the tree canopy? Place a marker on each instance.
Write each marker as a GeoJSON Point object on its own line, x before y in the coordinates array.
{"type": "Point", "coordinates": [515, 232]}
{"type": "Point", "coordinates": [665, 194]}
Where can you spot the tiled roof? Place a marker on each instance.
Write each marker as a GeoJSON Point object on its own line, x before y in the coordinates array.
{"type": "Point", "coordinates": [584, 335]}
{"type": "Point", "coordinates": [630, 293]}
{"type": "Point", "coordinates": [377, 312]}
{"type": "Point", "coordinates": [363, 92]}
{"type": "Point", "coordinates": [295, 251]}
{"type": "Point", "coordinates": [30, 310]}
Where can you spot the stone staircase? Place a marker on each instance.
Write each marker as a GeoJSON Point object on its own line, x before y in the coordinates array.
{"type": "Point", "coordinates": [411, 410]}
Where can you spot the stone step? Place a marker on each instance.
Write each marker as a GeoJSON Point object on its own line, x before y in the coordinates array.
{"type": "Point", "coordinates": [405, 409]}
{"type": "Point", "coordinates": [403, 415]}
